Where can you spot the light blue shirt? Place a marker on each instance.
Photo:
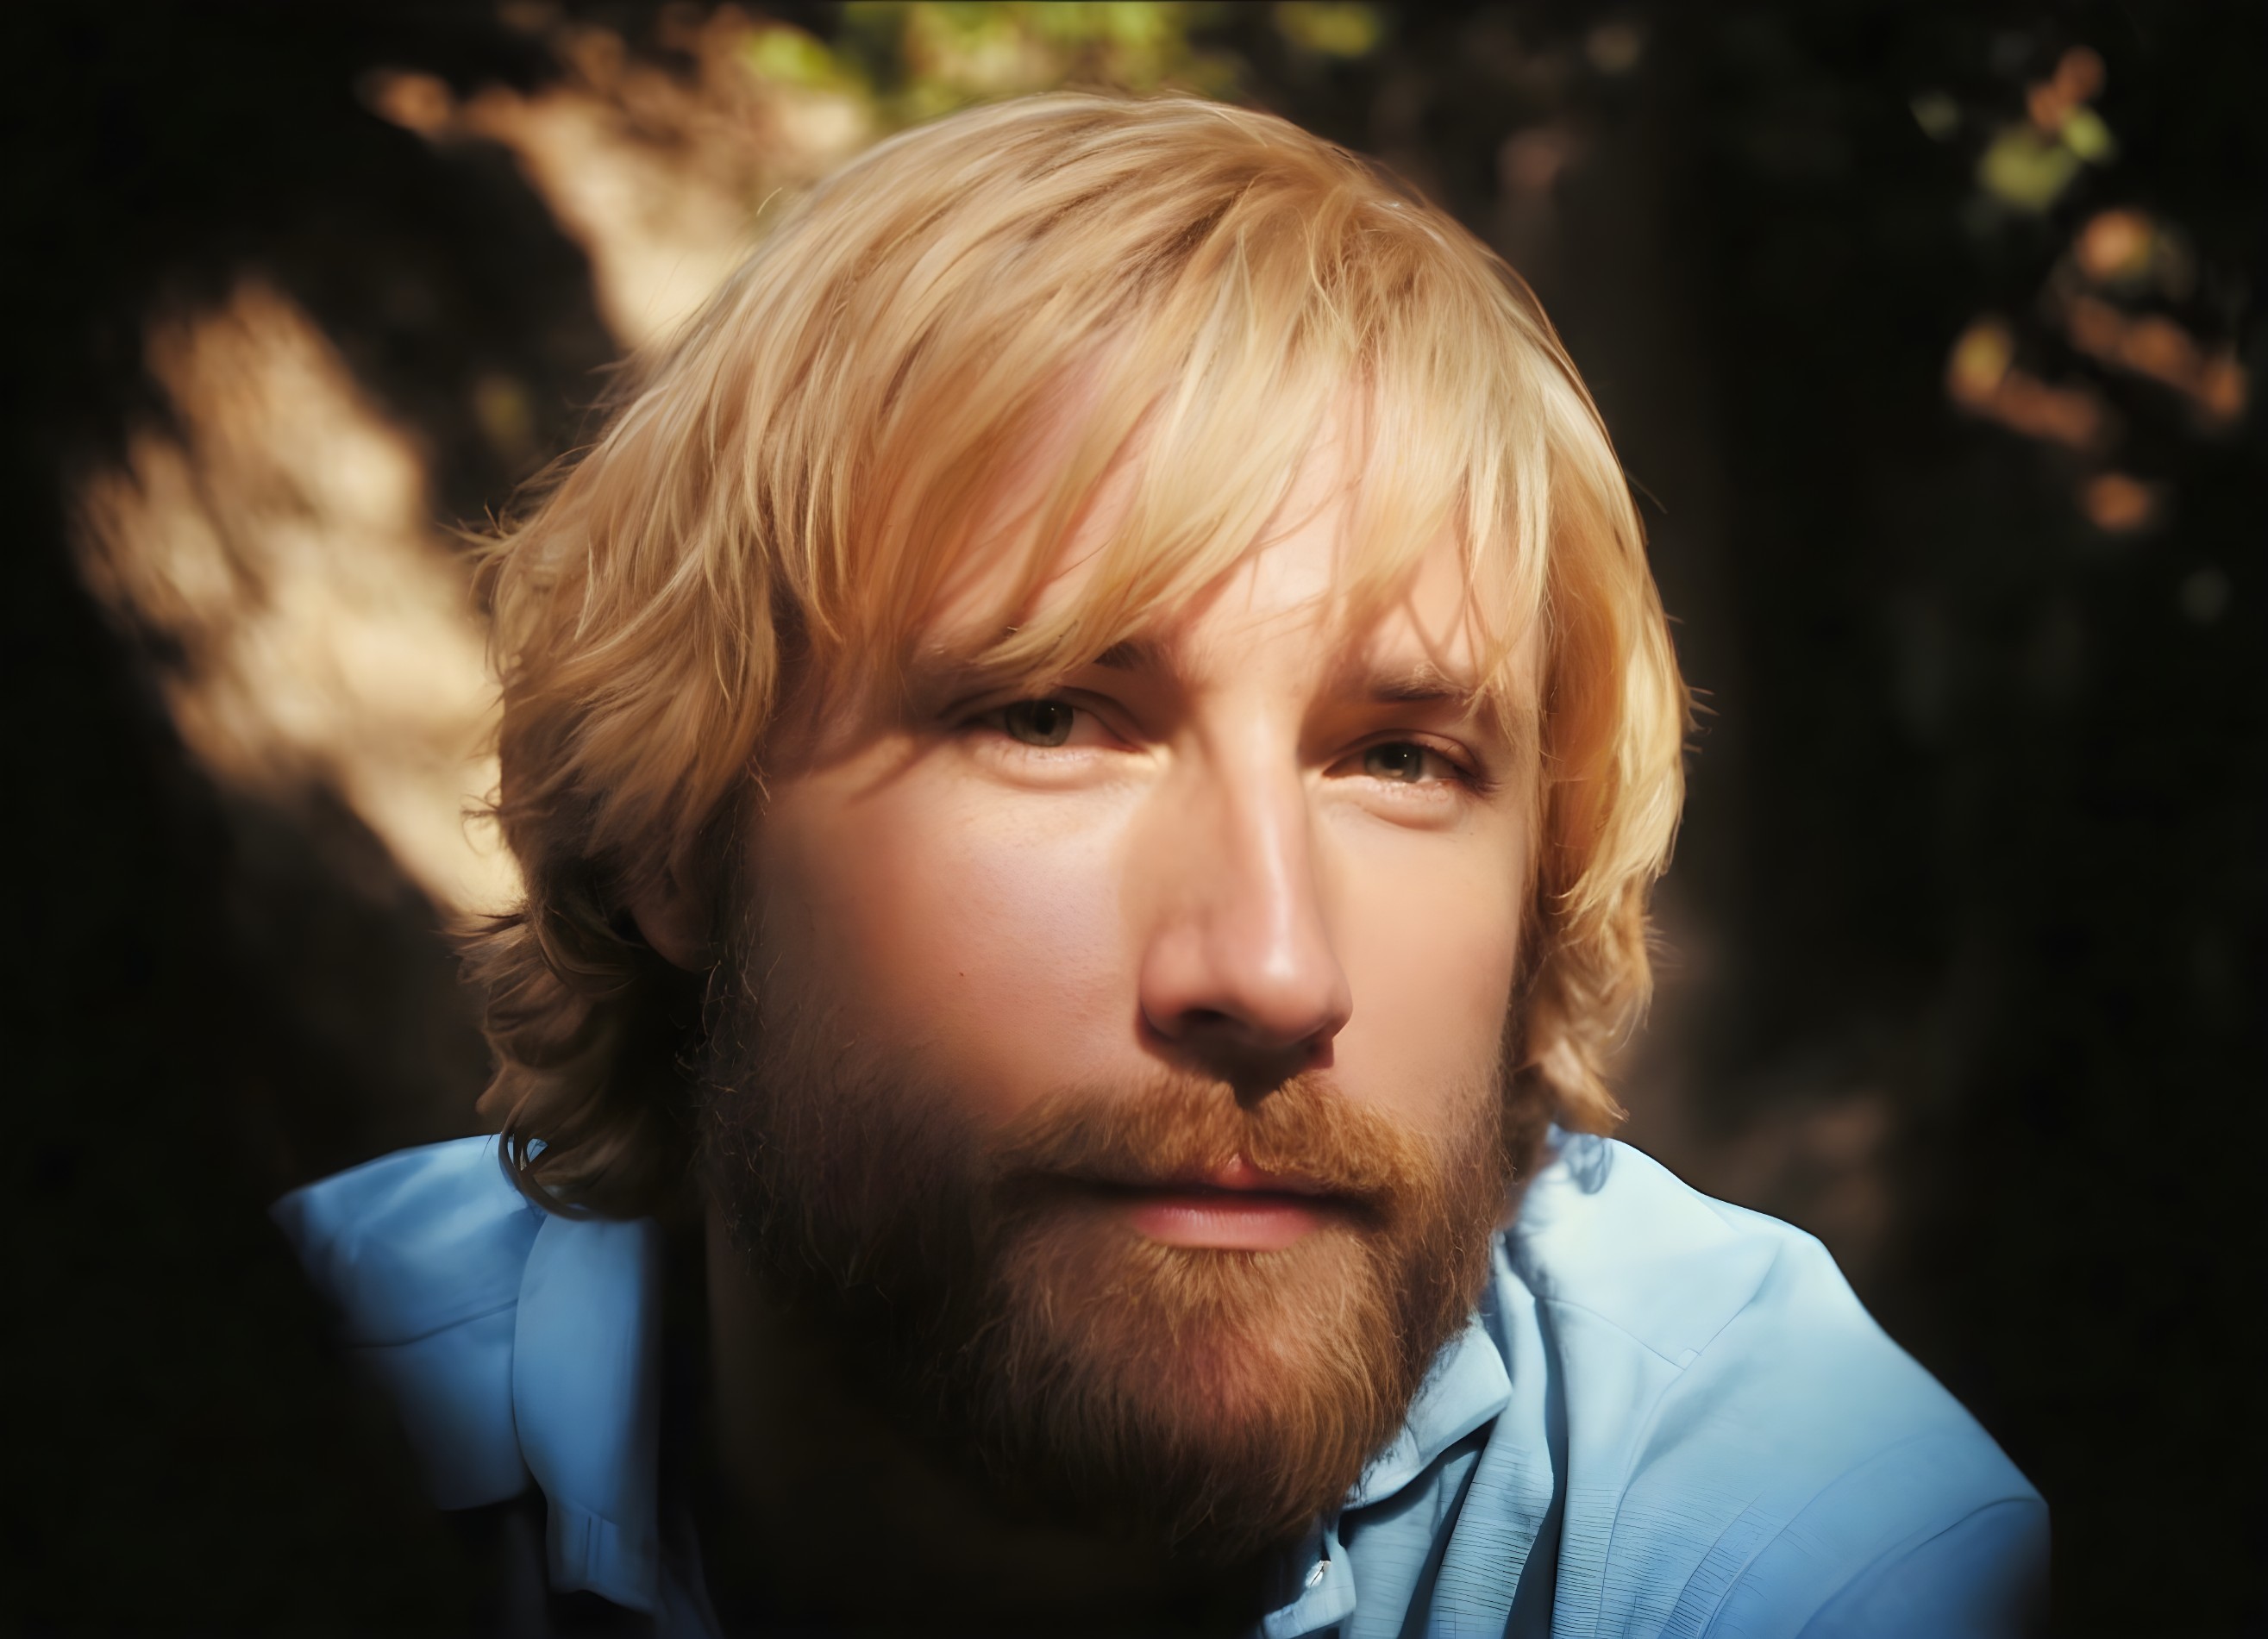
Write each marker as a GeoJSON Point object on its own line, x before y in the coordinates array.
{"type": "Point", "coordinates": [1668, 1416]}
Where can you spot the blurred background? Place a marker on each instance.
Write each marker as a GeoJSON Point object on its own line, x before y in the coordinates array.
{"type": "Point", "coordinates": [1932, 332]}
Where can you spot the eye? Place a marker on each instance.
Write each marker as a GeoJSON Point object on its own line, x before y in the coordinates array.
{"type": "Point", "coordinates": [1038, 722]}
{"type": "Point", "coordinates": [1404, 762]}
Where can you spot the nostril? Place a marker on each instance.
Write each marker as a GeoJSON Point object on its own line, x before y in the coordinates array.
{"type": "Point", "coordinates": [1220, 1043]}
{"type": "Point", "coordinates": [1220, 1030]}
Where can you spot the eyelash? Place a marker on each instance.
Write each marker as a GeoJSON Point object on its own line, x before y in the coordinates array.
{"type": "Point", "coordinates": [1459, 773]}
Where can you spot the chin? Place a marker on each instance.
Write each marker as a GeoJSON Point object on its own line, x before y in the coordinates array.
{"type": "Point", "coordinates": [1220, 1399]}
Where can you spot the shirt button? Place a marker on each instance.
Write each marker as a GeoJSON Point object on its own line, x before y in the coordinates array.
{"type": "Point", "coordinates": [1322, 1569]}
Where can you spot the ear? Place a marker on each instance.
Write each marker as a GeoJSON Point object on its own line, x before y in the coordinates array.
{"type": "Point", "coordinates": [675, 921]}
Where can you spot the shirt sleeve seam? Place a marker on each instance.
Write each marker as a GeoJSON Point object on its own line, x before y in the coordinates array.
{"type": "Point", "coordinates": [1692, 1356]}
{"type": "Point", "coordinates": [452, 1325]}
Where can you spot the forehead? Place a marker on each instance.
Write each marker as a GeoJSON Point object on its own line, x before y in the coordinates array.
{"type": "Point", "coordinates": [1315, 576]}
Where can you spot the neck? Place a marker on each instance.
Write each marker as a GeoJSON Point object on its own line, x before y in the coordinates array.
{"type": "Point", "coordinates": [842, 1517]}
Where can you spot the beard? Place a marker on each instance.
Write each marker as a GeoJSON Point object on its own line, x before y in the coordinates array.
{"type": "Point", "coordinates": [977, 1286]}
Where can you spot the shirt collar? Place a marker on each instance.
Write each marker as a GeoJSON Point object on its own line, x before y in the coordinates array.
{"type": "Point", "coordinates": [1466, 1387]}
{"type": "Point", "coordinates": [585, 1401]}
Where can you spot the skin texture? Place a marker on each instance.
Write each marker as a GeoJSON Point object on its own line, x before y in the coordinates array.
{"type": "Point", "coordinates": [1255, 845]}
{"type": "Point", "coordinates": [1241, 861]}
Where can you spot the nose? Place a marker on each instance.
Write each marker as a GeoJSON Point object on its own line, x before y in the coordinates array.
{"type": "Point", "coordinates": [1238, 973]}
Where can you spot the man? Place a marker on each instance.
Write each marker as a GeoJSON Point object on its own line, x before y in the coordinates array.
{"type": "Point", "coordinates": [1087, 749]}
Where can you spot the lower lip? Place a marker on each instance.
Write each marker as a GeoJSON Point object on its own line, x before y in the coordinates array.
{"type": "Point", "coordinates": [1225, 1220]}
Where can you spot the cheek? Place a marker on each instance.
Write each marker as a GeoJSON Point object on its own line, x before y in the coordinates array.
{"type": "Point", "coordinates": [1428, 928]}
{"type": "Point", "coordinates": [975, 940]}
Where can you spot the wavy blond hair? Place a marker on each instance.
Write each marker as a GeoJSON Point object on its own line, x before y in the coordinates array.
{"type": "Point", "coordinates": [1170, 288]}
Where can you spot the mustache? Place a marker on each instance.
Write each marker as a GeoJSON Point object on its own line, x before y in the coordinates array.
{"type": "Point", "coordinates": [1177, 1129]}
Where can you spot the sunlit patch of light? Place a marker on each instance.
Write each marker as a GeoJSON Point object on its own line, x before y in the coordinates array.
{"type": "Point", "coordinates": [274, 551]}
{"type": "Point", "coordinates": [660, 177]}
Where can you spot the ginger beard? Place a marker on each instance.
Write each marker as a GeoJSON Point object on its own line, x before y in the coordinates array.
{"type": "Point", "coordinates": [988, 1288]}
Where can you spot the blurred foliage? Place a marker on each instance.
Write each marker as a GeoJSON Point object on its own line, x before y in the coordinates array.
{"type": "Point", "coordinates": [911, 60]}
{"type": "Point", "coordinates": [2030, 163]}
{"type": "Point", "coordinates": [915, 61]}
{"type": "Point", "coordinates": [1329, 30]}
{"type": "Point", "coordinates": [2115, 303]}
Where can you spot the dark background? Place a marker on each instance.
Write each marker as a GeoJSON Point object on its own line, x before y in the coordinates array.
{"type": "Point", "coordinates": [1974, 847]}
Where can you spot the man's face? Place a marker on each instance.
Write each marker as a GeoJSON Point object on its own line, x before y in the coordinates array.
{"type": "Point", "coordinates": [1126, 1060]}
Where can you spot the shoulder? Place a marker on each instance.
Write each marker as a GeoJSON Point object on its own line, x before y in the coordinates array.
{"type": "Point", "coordinates": [1746, 1449]}
{"type": "Point", "coordinates": [422, 1255]}
{"type": "Point", "coordinates": [517, 1345]}
{"type": "Point", "coordinates": [414, 1242]}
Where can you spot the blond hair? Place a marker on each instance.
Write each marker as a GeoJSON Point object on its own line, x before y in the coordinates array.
{"type": "Point", "coordinates": [1172, 289]}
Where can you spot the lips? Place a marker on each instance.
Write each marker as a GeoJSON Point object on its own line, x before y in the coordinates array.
{"type": "Point", "coordinates": [1232, 1207]}
{"type": "Point", "coordinates": [1239, 1176]}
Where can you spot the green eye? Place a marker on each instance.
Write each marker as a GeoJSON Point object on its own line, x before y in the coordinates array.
{"type": "Point", "coordinates": [1399, 760]}
{"type": "Point", "coordinates": [1038, 722]}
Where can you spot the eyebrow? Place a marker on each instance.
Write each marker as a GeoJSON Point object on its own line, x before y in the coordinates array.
{"type": "Point", "coordinates": [1423, 684]}
{"type": "Point", "coordinates": [1133, 654]}
{"type": "Point", "coordinates": [1419, 685]}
